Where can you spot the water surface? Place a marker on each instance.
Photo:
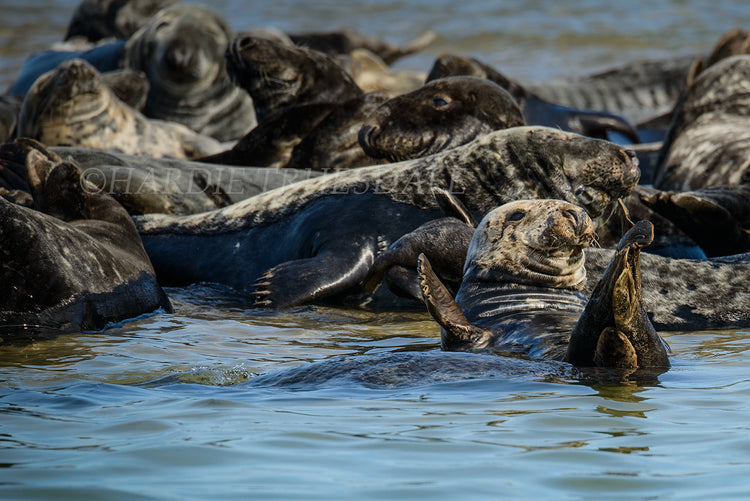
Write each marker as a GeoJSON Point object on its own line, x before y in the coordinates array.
{"type": "Point", "coordinates": [165, 407]}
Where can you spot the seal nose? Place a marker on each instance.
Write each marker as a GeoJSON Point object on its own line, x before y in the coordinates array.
{"type": "Point", "coordinates": [366, 137]}
{"type": "Point", "coordinates": [581, 223]}
{"type": "Point", "coordinates": [244, 42]}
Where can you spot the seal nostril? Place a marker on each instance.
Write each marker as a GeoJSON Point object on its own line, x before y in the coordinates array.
{"type": "Point", "coordinates": [367, 134]}
{"type": "Point", "coordinates": [245, 42]}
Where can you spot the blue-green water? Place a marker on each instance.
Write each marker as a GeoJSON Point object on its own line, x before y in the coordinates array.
{"type": "Point", "coordinates": [165, 407]}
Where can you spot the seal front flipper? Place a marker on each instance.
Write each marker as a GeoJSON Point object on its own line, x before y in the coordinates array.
{"type": "Point", "coordinates": [716, 218]}
{"type": "Point", "coordinates": [452, 206]}
{"type": "Point", "coordinates": [301, 281]}
{"type": "Point", "coordinates": [457, 332]}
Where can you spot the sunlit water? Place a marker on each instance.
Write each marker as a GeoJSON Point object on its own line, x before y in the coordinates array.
{"type": "Point", "coordinates": [168, 407]}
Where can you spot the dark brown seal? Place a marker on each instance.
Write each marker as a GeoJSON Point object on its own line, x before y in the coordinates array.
{"type": "Point", "coordinates": [94, 20]}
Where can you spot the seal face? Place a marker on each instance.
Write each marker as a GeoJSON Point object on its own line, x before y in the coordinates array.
{"type": "Point", "coordinates": [279, 76]}
{"type": "Point", "coordinates": [273, 239]}
{"type": "Point", "coordinates": [536, 110]}
{"type": "Point", "coordinates": [440, 115]}
{"type": "Point", "coordinates": [83, 244]}
{"type": "Point", "coordinates": [72, 106]}
{"type": "Point", "coordinates": [181, 51]}
{"type": "Point", "coordinates": [522, 275]}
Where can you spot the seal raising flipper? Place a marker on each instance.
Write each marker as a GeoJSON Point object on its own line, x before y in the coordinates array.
{"type": "Point", "coordinates": [458, 331]}
{"type": "Point", "coordinates": [614, 329]}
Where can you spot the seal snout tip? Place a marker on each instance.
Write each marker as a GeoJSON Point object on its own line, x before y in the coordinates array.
{"type": "Point", "coordinates": [368, 133]}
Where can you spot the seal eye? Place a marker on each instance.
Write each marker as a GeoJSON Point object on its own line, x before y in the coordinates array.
{"type": "Point", "coordinates": [516, 215]}
{"type": "Point", "coordinates": [440, 101]}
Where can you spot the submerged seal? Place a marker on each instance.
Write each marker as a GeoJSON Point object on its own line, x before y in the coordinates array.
{"type": "Point", "coordinates": [281, 247]}
{"type": "Point", "coordinates": [521, 291]}
{"type": "Point", "coordinates": [181, 51]}
{"type": "Point", "coordinates": [72, 106]}
{"type": "Point", "coordinates": [440, 115]}
{"type": "Point", "coordinates": [536, 110]}
{"type": "Point", "coordinates": [84, 246]}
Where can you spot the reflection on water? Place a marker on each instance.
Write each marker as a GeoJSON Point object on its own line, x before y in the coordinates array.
{"type": "Point", "coordinates": [193, 405]}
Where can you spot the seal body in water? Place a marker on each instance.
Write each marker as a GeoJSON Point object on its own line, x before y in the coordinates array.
{"type": "Point", "coordinates": [536, 110]}
{"type": "Point", "coordinates": [181, 51]}
{"type": "Point", "coordinates": [72, 262]}
{"type": "Point", "coordinates": [282, 247]}
{"type": "Point", "coordinates": [72, 106]}
{"type": "Point", "coordinates": [521, 291]}
{"type": "Point", "coordinates": [440, 115]}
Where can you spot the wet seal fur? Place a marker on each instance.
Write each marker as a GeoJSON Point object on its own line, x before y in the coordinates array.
{"type": "Point", "coordinates": [181, 51]}
{"type": "Point", "coordinates": [74, 262]}
{"type": "Point", "coordinates": [72, 106]}
{"type": "Point", "coordinates": [536, 110]}
{"type": "Point", "coordinates": [522, 277]}
{"type": "Point", "coordinates": [281, 246]}
{"type": "Point", "coordinates": [440, 115]}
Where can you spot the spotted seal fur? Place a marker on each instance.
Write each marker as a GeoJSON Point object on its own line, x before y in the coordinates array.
{"type": "Point", "coordinates": [523, 273]}
{"type": "Point", "coordinates": [72, 106]}
{"type": "Point", "coordinates": [84, 246]}
{"type": "Point", "coordinates": [181, 51]}
{"type": "Point", "coordinates": [281, 247]}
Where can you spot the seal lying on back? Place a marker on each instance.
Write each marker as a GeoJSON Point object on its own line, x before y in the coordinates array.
{"type": "Point", "coordinates": [281, 247]}
{"type": "Point", "coordinates": [181, 51]}
{"type": "Point", "coordinates": [537, 111]}
{"type": "Point", "coordinates": [440, 115]}
{"type": "Point", "coordinates": [72, 106]}
{"type": "Point", "coordinates": [521, 291]}
{"type": "Point", "coordinates": [74, 262]}
{"type": "Point", "coordinates": [310, 110]}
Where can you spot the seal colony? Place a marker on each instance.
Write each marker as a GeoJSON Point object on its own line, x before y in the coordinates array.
{"type": "Point", "coordinates": [281, 248]}
{"type": "Point", "coordinates": [332, 238]}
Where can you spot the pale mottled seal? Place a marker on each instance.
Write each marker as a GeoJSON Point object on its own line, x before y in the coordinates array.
{"type": "Point", "coordinates": [94, 20]}
{"type": "Point", "coordinates": [74, 262]}
{"type": "Point", "coordinates": [281, 246]}
{"type": "Point", "coordinates": [523, 273]}
{"type": "Point", "coordinates": [72, 106]}
{"type": "Point", "coordinates": [181, 51]}
{"type": "Point", "coordinates": [440, 115]}
{"type": "Point", "coordinates": [709, 139]}
{"type": "Point", "coordinates": [537, 111]}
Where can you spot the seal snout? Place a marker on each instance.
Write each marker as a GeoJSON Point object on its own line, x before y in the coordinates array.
{"type": "Point", "coordinates": [367, 136]}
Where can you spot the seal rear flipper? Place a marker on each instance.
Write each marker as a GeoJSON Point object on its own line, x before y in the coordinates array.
{"type": "Point", "coordinates": [304, 281]}
{"type": "Point", "coordinates": [457, 333]}
{"type": "Point", "coordinates": [717, 218]}
{"type": "Point", "coordinates": [599, 125]}
{"type": "Point", "coordinates": [615, 350]}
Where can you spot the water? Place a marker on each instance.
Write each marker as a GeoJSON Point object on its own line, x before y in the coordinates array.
{"type": "Point", "coordinates": [165, 407]}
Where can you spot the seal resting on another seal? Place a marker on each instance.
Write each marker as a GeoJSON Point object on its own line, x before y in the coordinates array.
{"type": "Point", "coordinates": [72, 106]}
{"type": "Point", "coordinates": [521, 291]}
{"type": "Point", "coordinates": [74, 262]}
{"type": "Point", "coordinates": [281, 246]}
{"type": "Point", "coordinates": [310, 110]}
{"type": "Point", "coordinates": [537, 111]}
{"type": "Point", "coordinates": [440, 115]}
{"type": "Point", "coordinates": [181, 51]}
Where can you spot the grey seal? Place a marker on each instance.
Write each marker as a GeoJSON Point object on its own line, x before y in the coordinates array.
{"type": "Point", "coordinates": [74, 261]}
{"type": "Point", "coordinates": [72, 106]}
{"type": "Point", "coordinates": [282, 248]}
{"type": "Point", "coordinates": [181, 51]}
